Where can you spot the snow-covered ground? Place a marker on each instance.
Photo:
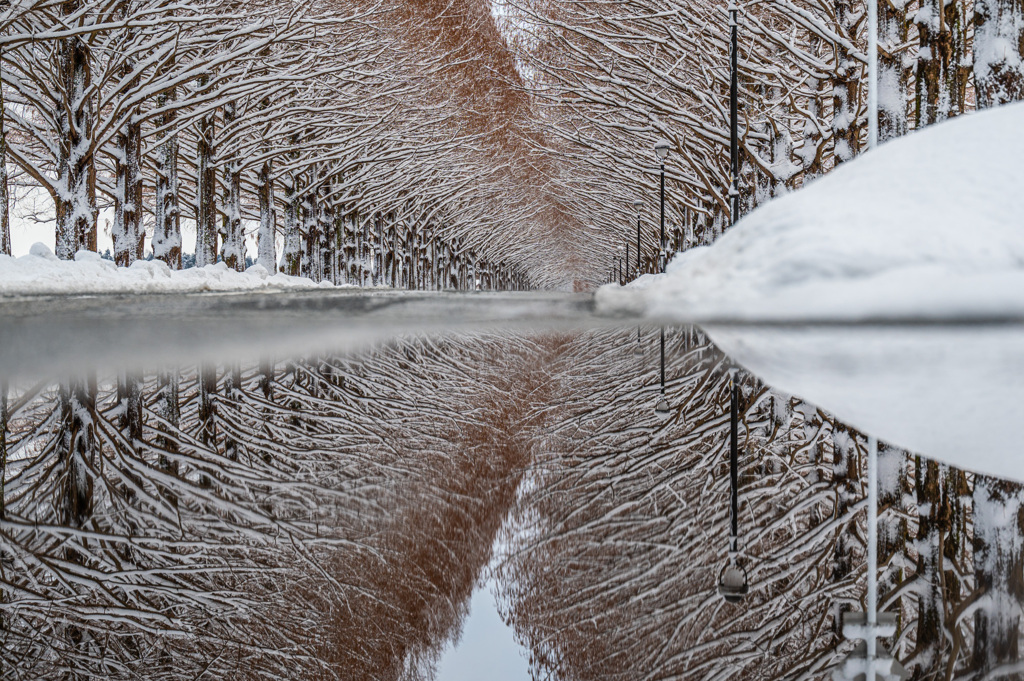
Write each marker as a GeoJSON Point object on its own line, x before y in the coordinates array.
{"type": "Point", "coordinates": [41, 272]}
{"type": "Point", "coordinates": [928, 227]}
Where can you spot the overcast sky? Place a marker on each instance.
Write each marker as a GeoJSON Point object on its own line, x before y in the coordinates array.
{"type": "Point", "coordinates": [486, 650]}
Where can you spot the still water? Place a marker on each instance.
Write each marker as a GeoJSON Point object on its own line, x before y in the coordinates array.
{"type": "Point", "coordinates": [267, 487]}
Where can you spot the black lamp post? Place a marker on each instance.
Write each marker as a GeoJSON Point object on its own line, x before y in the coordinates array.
{"type": "Point", "coordinates": [638, 204]}
{"type": "Point", "coordinates": [734, 135]}
{"type": "Point", "coordinates": [661, 149]}
{"type": "Point", "coordinates": [732, 583]}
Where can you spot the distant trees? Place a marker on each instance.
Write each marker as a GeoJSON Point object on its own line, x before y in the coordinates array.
{"type": "Point", "coordinates": [614, 78]}
{"type": "Point", "coordinates": [319, 124]}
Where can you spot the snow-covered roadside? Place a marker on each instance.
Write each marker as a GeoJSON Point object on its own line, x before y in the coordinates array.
{"type": "Point", "coordinates": [42, 273]}
{"type": "Point", "coordinates": [930, 225]}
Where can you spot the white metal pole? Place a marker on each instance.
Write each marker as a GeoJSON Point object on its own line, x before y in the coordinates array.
{"type": "Point", "coordinates": [872, 74]}
{"type": "Point", "coordinates": [872, 596]}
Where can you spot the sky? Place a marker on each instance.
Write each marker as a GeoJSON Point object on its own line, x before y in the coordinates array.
{"type": "Point", "coordinates": [487, 650]}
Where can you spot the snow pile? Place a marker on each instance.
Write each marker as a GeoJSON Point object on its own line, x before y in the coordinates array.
{"type": "Point", "coordinates": [42, 273]}
{"type": "Point", "coordinates": [929, 226]}
{"type": "Point", "coordinates": [925, 226]}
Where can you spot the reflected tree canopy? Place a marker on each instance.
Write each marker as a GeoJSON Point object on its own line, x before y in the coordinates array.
{"type": "Point", "coordinates": [328, 517]}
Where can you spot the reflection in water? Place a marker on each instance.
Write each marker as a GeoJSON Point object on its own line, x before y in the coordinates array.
{"type": "Point", "coordinates": [314, 518]}
{"type": "Point", "coordinates": [486, 648]}
{"type": "Point", "coordinates": [329, 517]}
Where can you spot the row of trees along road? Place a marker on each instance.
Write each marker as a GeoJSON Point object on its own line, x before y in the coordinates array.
{"type": "Point", "coordinates": [614, 78]}
{"type": "Point", "coordinates": [362, 142]}
{"type": "Point", "coordinates": [411, 143]}
{"type": "Point", "coordinates": [378, 143]}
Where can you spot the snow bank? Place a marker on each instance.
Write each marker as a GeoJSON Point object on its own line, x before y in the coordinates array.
{"type": "Point", "coordinates": [42, 273]}
{"type": "Point", "coordinates": [930, 226]}
{"type": "Point", "coordinates": [926, 226]}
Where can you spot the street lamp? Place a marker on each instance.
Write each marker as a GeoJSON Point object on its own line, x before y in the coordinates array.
{"type": "Point", "coordinates": [734, 135]}
{"type": "Point", "coordinates": [732, 583]}
{"type": "Point", "coordinates": [621, 263]}
{"type": "Point", "coordinates": [638, 205]}
{"type": "Point", "coordinates": [661, 149]}
{"type": "Point", "coordinates": [662, 409]}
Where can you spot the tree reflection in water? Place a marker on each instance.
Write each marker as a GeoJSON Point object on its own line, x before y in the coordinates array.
{"type": "Point", "coordinates": [329, 518]}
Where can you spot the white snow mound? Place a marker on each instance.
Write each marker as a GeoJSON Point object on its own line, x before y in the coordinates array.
{"type": "Point", "coordinates": [929, 225]}
{"type": "Point", "coordinates": [42, 273]}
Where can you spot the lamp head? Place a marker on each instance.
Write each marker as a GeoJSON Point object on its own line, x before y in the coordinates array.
{"type": "Point", "coordinates": [638, 204]}
{"type": "Point", "coordinates": [662, 148]}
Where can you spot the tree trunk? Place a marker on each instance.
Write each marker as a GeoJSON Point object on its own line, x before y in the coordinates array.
{"type": "Point", "coordinates": [292, 256]}
{"type": "Point", "coordinates": [207, 410]}
{"type": "Point", "coordinates": [3, 451]}
{"type": "Point", "coordinates": [956, 550]}
{"type": "Point", "coordinates": [324, 211]}
{"type": "Point", "coordinates": [845, 477]}
{"type": "Point", "coordinates": [267, 379]}
{"type": "Point", "coordinates": [232, 393]}
{"type": "Point", "coordinates": [75, 202]}
{"type": "Point", "coordinates": [168, 407]}
{"type": "Point", "coordinates": [311, 228]}
{"type": "Point", "coordinates": [5, 226]}
{"type": "Point", "coordinates": [999, 571]}
{"type": "Point", "coordinates": [234, 240]}
{"type": "Point", "coordinates": [892, 76]}
{"type": "Point", "coordinates": [393, 252]}
{"type": "Point", "coordinates": [206, 193]}
{"type": "Point", "coordinates": [267, 248]}
{"type": "Point", "coordinates": [78, 449]}
{"type": "Point", "coordinates": [129, 392]}
{"type": "Point", "coordinates": [998, 51]}
{"type": "Point", "coordinates": [928, 82]}
{"type": "Point", "coordinates": [127, 232]}
{"type": "Point", "coordinates": [954, 67]}
{"type": "Point", "coordinates": [167, 212]}
{"type": "Point", "coordinates": [932, 645]}
{"type": "Point", "coordinates": [942, 77]}
{"type": "Point", "coordinates": [892, 530]}
{"type": "Point", "coordinates": [846, 89]}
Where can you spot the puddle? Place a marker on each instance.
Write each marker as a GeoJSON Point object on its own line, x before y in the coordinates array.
{"type": "Point", "coordinates": [486, 649]}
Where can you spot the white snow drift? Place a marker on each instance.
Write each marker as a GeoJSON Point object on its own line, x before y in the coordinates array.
{"type": "Point", "coordinates": [930, 225]}
{"type": "Point", "coordinates": [42, 273]}
{"type": "Point", "coordinates": [927, 227]}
